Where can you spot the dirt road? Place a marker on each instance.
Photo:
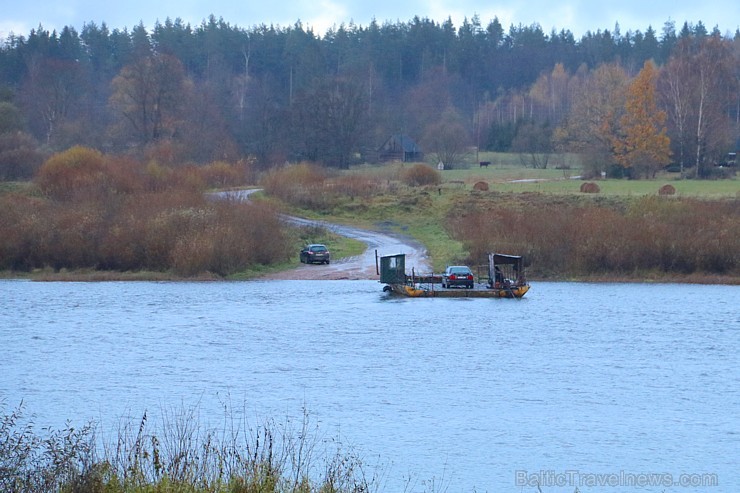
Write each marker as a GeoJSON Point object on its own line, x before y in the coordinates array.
{"type": "Point", "coordinates": [353, 268]}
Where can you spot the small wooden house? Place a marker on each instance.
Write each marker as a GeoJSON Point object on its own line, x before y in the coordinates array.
{"type": "Point", "coordinates": [400, 148]}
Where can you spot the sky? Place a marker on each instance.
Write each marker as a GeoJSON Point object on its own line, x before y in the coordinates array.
{"type": "Point", "coordinates": [578, 16]}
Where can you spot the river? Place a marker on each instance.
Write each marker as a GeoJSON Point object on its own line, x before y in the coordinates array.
{"type": "Point", "coordinates": [571, 383]}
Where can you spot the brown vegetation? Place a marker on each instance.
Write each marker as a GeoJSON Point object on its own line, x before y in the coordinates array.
{"type": "Point", "coordinates": [576, 238]}
{"type": "Point", "coordinates": [481, 186]}
{"type": "Point", "coordinates": [667, 189]}
{"type": "Point", "coordinates": [115, 214]}
{"type": "Point", "coordinates": [421, 175]}
{"type": "Point", "coordinates": [313, 187]}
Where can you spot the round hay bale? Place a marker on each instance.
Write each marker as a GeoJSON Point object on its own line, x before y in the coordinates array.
{"type": "Point", "coordinates": [667, 189]}
{"type": "Point", "coordinates": [481, 186]}
{"type": "Point", "coordinates": [590, 187]}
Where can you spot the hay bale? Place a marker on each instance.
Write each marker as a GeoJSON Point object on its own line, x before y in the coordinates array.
{"type": "Point", "coordinates": [590, 187]}
{"type": "Point", "coordinates": [481, 186]}
{"type": "Point", "coordinates": [667, 190]}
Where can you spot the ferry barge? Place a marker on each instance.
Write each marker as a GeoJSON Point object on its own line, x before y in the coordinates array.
{"type": "Point", "coordinates": [503, 277]}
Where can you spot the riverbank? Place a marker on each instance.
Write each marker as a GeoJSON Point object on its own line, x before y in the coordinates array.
{"type": "Point", "coordinates": [339, 271]}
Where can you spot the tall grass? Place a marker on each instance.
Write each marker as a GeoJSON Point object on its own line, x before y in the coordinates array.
{"type": "Point", "coordinates": [178, 453]}
{"type": "Point", "coordinates": [648, 234]}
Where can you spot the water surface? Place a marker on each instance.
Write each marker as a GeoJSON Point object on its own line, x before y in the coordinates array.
{"type": "Point", "coordinates": [572, 381]}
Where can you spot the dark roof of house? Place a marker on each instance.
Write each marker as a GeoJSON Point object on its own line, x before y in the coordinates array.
{"type": "Point", "coordinates": [404, 142]}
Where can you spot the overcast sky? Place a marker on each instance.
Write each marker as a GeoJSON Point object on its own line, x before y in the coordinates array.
{"type": "Point", "coordinates": [578, 16]}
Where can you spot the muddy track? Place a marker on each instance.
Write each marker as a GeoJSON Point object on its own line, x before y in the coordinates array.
{"type": "Point", "coordinates": [353, 268]}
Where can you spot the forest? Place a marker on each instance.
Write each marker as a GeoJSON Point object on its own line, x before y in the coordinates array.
{"type": "Point", "coordinates": [628, 103]}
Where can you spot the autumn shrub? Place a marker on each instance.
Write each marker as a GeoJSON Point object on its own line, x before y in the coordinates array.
{"type": "Point", "coordinates": [24, 225]}
{"type": "Point", "coordinates": [421, 175]}
{"type": "Point", "coordinates": [140, 217]}
{"type": "Point", "coordinates": [667, 189]}
{"type": "Point", "coordinates": [304, 185]}
{"type": "Point", "coordinates": [226, 238]}
{"type": "Point", "coordinates": [481, 186]}
{"type": "Point", "coordinates": [19, 157]}
{"type": "Point", "coordinates": [220, 174]}
{"type": "Point", "coordinates": [125, 175]}
{"type": "Point", "coordinates": [76, 171]}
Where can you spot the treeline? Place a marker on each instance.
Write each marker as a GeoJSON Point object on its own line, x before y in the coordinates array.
{"type": "Point", "coordinates": [85, 210]}
{"type": "Point", "coordinates": [194, 94]}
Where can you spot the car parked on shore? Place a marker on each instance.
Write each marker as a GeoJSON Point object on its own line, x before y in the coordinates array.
{"type": "Point", "coordinates": [459, 276]}
{"type": "Point", "coordinates": [315, 253]}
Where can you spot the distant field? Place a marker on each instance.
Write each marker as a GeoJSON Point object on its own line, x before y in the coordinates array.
{"type": "Point", "coordinates": [507, 174]}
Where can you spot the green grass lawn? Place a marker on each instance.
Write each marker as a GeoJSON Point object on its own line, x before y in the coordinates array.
{"type": "Point", "coordinates": [514, 177]}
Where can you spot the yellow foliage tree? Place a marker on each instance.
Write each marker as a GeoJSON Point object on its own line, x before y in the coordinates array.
{"type": "Point", "coordinates": [642, 144]}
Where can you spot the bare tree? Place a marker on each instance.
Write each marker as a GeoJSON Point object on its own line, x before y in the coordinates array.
{"type": "Point", "coordinates": [694, 88]}
{"type": "Point", "coordinates": [148, 95]}
{"type": "Point", "coordinates": [447, 139]}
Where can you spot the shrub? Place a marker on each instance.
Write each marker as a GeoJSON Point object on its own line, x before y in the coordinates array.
{"type": "Point", "coordinates": [220, 174]}
{"type": "Point", "coordinates": [303, 185]}
{"type": "Point", "coordinates": [421, 175]}
{"type": "Point", "coordinates": [481, 186]}
{"type": "Point", "coordinates": [667, 190]}
{"type": "Point", "coordinates": [19, 159]}
{"type": "Point", "coordinates": [138, 218]}
{"type": "Point", "coordinates": [76, 171]}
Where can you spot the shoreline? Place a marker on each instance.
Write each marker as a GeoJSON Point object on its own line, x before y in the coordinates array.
{"type": "Point", "coordinates": [109, 276]}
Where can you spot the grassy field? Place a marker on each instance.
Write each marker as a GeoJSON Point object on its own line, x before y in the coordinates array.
{"type": "Point", "coordinates": [507, 174]}
{"type": "Point", "coordinates": [515, 178]}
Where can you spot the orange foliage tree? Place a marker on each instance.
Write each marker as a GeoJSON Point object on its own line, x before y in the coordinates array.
{"type": "Point", "coordinates": [642, 145]}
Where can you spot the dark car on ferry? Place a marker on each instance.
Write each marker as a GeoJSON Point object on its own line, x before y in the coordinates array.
{"type": "Point", "coordinates": [458, 276]}
{"type": "Point", "coordinates": [315, 253]}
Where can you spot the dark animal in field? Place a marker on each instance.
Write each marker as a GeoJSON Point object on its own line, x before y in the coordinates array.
{"type": "Point", "coordinates": [484, 164]}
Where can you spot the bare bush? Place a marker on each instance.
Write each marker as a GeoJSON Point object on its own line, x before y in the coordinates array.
{"type": "Point", "coordinates": [667, 189]}
{"type": "Point", "coordinates": [301, 184]}
{"type": "Point", "coordinates": [421, 175]}
{"type": "Point", "coordinates": [117, 214]}
{"type": "Point", "coordinates": [220, 174]}
{"type": "Point", "coordinates": [19, 157]}
{"type": "Point", "coordinates": [481, 186]}
{"type": "Point", "coordinates": [574, 239]}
